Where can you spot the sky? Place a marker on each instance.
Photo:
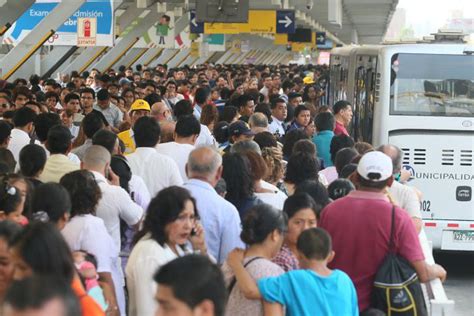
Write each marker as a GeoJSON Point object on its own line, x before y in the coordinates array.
{"type": "Point", "coordinates": [427, 16]}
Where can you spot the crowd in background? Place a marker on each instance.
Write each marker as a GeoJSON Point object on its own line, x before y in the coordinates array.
{"type": "Point", "coordinates": [136, 191]}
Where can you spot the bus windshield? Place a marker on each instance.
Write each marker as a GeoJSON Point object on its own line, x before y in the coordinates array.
{"type": "Point", "coordinates": [432, 85]}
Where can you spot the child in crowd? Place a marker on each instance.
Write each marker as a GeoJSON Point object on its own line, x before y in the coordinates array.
{"type": "Point", "coordinates": [314, 290]}
{"type": "Point", "coordinates": [86, 265]}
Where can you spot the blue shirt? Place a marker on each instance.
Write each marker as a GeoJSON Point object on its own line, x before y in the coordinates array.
{"type": "Point", "coordinates": [322, 140]}
{"type": "Point", "coordinates": [305, 293]}
{"type": "Point", "coordinates": [219, 218]}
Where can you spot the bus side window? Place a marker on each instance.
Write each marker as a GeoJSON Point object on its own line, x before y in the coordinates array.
{"type": "Point", "coordinates": [364, 99]}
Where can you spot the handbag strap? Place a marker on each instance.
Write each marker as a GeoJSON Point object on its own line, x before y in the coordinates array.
{"type": "Point", "coordinates": [391, 245]}
{"type": "Point", "coordinates": [234, 280]}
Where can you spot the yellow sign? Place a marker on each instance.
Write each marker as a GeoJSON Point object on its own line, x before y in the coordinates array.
{"type": "Point", "coordinates": [260, 21]}
{"type": "Point", "coordinates": [236, 44]}
{"type": "Point", "coordinates": [195, 49]}
{"type": "Point", "coordinates": [222, 28]}
{"type": "Point", "coordinates": [281, 39]}
{"type": "Point", "coordinates": [298, 47]}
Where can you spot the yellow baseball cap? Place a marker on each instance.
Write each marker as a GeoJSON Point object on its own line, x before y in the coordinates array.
{"type": "Point", "coordinates": [140, 104]}
{"type": "Point", "coordinates": [308, 80]}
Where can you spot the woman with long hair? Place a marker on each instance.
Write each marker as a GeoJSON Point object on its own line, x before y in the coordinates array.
{"type": "Point", "coordinates": [86, 232]}
{"type": "Point", "coordinates": [170, 230]}
{"type": "Point", "coordinates": [39, 249]}
{"type": "Point", "coordinates": [240, 186]}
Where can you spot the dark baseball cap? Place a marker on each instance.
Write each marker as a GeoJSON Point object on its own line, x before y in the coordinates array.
{"type": "Point", "coordinates": [240, 128]}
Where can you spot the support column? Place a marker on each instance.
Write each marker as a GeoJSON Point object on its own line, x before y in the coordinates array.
{"type": "Point", "coordinates": [178, 58]}
{"type": "Point", "coordinates": [47, 70]}
{"type": "Point", "coordinates": [150, 56]}
{"type": "Point", "coordinates": [85, 59]}
{"type": "Point", "coordinates": [234, 57]}
{"type": "Point", "coordinates": [131, 56]}
{"type": "Point", "coordinates": [53, 56]}
{"type": "Point", "coordinates": [127, 42]}
{"type": "Point", "coordinates": [11, 11]}
{"type": "Point", "coordinates": [12, 61]}
{"type": "Point", "coordinates": [165, 57]}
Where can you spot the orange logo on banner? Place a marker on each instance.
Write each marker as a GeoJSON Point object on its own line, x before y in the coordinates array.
{"type": "Point", "coordinates": [86, 31]}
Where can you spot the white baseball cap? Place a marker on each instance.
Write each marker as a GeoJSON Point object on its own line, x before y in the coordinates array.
{"type": "Point", "coordinates": [373, 163]}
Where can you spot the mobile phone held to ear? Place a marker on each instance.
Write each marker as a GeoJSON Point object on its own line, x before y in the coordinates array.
{"type": "Point", "coordinates": [193, 232]}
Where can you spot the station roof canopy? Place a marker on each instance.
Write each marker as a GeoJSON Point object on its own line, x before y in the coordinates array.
{"type": "Point", "coordinates": [370, 18]}
{"type": "Point", "coordinates": [363, 21]}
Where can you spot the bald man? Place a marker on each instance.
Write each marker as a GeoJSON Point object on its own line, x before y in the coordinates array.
{"type": "Point", "coordinates": [219, 217]}
{"type": "Point", "coordinates": [167, 131]}
{"type": "Point", "coordinates": [161, 112]}
{"type": "Point", "coordinates": [406, 197]}
{"type": "Point", "coordinates": [115, 204]}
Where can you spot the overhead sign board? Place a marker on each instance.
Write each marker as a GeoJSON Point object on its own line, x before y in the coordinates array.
{"type": "Point", "coordinates": [285, 21]}
{"type": "Point", "coordinates": [221, 28]}
{"type": "Point", "coordinates": [320, 38]}
{"type": "Point", "coordinates": [216, 42]}
{"type": "Point", "coordinates": [194, 26]}
{"type": "Point", "coordinates": [281, 39]}
{"type": "Point", "coordinates": [260, 21]}
{"type": "Point", "coordinates": [66, 34]}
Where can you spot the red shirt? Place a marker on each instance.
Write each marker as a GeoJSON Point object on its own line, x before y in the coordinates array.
{"type": "Point", "coordinates": [340, 129]}
{"type": "Point", "coordinates": [359, 225]}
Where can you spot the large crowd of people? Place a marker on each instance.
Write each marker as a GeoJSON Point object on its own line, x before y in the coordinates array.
{"type": "Point", "coordinates": [213, 190]}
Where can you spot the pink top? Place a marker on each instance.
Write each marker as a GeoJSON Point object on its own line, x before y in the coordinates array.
{"type": "Point", "coordinates": [237, 304]}
{"type": "Point", "coordinates": [340, 129]}
{"type": "Point", "coordinates": [359, 225]}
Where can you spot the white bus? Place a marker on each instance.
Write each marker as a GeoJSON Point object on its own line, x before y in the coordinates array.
{"type": "Point", "coordinates": [419, 97]}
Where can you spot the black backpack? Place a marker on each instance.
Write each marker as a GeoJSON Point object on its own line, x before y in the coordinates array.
{"type": "Point", "coordinates": [397, 290]}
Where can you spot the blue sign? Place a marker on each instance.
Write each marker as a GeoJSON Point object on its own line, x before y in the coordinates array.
{"type": "Point", "coordinates": [102, 10]}
{"type": "Point", "coordinates": [285, 22]}
{"type": "Point", "coordinates": [194, 26]}
{"type": "Point", "coordinates": [320, 38]}
{"type": "Point", "coordinates": [327, 45]}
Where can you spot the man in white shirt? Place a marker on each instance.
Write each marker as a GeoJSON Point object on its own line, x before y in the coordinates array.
{"type": "Point", "coordinates": [219, 217]}
{"type": "Point", "coordinates": [115, 203]}
{"type": "Point", "coordinates": [279, 113]}
{"type": "Point", "coordinates": [185, 136]}
{"type": "Point", "coordinates": [267, 84]}
{"type": "Point", "coordinates": [58, 164]}
{"type": "Point", "coordinates": [20, 136]}
{"type": "Point", "coordinates": [205, 138]}
{"type": "Point", "coordinates": [404, 196]}
{"type": "Point", "coordinates": [157, 170]}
